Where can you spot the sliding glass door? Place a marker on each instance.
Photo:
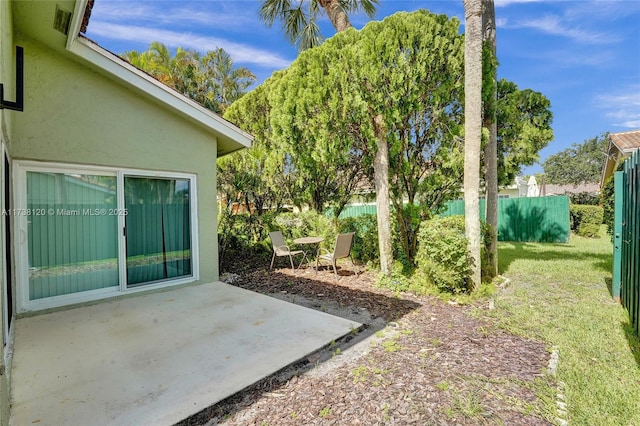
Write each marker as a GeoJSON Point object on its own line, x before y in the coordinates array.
{"type": "Point", "coordinates": [158, 229]}
{"type": "Point", "coordinates": [72, 248]}
{"type": "Point", "coordinates": [85, 232]}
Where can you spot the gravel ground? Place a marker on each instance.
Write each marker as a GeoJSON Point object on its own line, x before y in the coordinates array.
{"type": "Point", "coordinates": [417, 361]}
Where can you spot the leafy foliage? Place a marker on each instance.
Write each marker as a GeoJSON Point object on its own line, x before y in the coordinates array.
{"type": "Point", "coordinates": [607, 200]}
{"type": "Point", "coordinates": [258, 177]}
{"type": "Point", "coordinates": [365, 242]}
{"type": "Point", "coordinates": [581, 163]}
{"type": "Point", "coordinates": [300, 18]}
{"type": "Point", "coordinates": [329, 97]}
{"type": "Point", "coordinates": [586, 220]}
{"type": "Point", "coordinates": [442, 258]}
{"type": "Point", "coordinates": [211, 80]}
{"type": "Point", "coordinates": [585, 198]}
{"type": "Point", "coordinates": [524, 128]}
{"type": "Point", "coordinates": [296, 225]}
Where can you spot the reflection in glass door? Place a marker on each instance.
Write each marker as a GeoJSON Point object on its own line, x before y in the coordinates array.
{"type": "Point", "coordinates": [158, 229]}
{"type": "Point", "coordinates": [72, 238]}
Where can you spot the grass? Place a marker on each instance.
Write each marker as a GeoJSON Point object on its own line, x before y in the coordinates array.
{"type": "Point", "coordinates": [559, 293]}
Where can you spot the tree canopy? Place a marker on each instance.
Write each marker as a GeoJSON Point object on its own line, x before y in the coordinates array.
{"type": "Point", "coordinates": [524, 128]}
{"type": "Point", "coordinates": [399, 81]}
{"type": "Point", "coordinates": [578, 164]}
{"type": "Point", "coordinates": [211, 80]}
{"type": "Point", "coordinates": [300, 18]}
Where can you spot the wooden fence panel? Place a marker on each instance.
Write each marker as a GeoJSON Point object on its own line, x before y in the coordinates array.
{"type": "Point", "coordinates": [532, 219]}
{"type": "Point", "coordinates": [629, 263]}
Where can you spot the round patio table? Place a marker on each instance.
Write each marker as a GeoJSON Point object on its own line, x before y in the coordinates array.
{"type": "Point", "coordinates": [310, 241]}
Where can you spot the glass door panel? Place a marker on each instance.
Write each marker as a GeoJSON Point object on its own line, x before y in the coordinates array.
{"type": "Point", "coordinates": [72, 233]}
{"type": "Point", "coordinates": [158, 229]}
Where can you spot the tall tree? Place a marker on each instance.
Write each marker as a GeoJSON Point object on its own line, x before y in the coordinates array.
{"type": "Point", "coordinates": [473, 131]}
{"type": "Point", "coordinates": [524, 128]}
{"type": "Point", "coordinates": [399, 113]}
{"type": "Point", "coordinates": [227, 83]}
{"type": "Point", "coordinates": [300, 17]}
{"type": "Point", "coordinates": [211, 80]}
{"type": "Point", "coordinates": [490, 71]}
{"type": "Point", "coordinates": [261, 176]}
{"type": "Point", "coordinates": [578, 164]}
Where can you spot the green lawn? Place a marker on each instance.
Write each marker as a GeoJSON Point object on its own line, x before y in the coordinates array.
{"type": "Point", "coordinates": [560, 293]}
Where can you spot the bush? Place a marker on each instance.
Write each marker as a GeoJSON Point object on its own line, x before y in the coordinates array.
{"type": "Point", "coordinates": [607, 200]}
{"type": "Point", "coordinates": [242, 233]}
{"type": "Point", "coordinates": [309, 223]}
{"type": "Point", "coordinates": [584, 198]}
{"type": "Point", "coordinates": [365, 241]}
{"type": "Point", "coordinates": [442, 258]}
{"type": "Point", "coordinates": [586, 220]}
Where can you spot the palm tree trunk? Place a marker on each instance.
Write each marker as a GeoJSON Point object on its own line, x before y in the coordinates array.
{"type": "Point", "coordinates": [473, 131]}
{"type": "Point", "coordinates": [381, 181]}
{"type": "Point", "coordinates": [491, 149]}
{"type": "Point", "coordinates": [336, 14]}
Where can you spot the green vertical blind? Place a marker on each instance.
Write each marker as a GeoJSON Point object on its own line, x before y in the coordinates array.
{"type": "Point", "coordinates": [158, 229]}
{"type": "Point", "coordinates": [72, 246]}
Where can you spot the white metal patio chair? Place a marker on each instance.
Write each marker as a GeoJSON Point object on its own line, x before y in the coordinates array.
{"type": "Point", "coordinates": [342, 249]}
{"type": "Point", "coordinates": [281, 249]}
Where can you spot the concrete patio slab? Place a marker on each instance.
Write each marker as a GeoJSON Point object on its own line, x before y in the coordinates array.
{"type": "Point", "coordinates": [158, 358]}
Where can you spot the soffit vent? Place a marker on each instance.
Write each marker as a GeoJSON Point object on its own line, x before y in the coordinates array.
{"type": "Point", "coordinates": [62, 20]}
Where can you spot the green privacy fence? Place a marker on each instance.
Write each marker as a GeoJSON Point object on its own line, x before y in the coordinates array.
{"type": "Point", "coordinates": [534, 219]}
{"type": "Point", "coordinates": [539, 219]}
{"type": "Point", "coordinates": [627, 237]}
{"type": "Point", "coordinates": [358, 210]}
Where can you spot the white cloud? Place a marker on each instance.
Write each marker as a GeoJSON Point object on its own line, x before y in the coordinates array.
{"type": "Point", "coordinates": [170, 13]}
{"type": "Point", "coordinates": [504, 3]}
{"type": "Point", "coordinates": [554, 25]}
{"type": "Point", "coordinates": [241, 53]}
{"type": "Point", "coordinates": [623, 107]}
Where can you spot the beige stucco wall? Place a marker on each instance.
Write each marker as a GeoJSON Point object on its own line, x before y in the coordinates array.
{"type": "Point", "coordinates": [75, 115]}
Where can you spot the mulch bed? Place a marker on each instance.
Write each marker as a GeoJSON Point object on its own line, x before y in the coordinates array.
{"type": "Point", "coordinates": [433, 364]}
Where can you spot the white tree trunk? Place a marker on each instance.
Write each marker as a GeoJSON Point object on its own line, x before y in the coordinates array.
{"type": "Point", "coordinates": [473, 131]}
{"type": "Point", "coordinates": [491, 149]}
{"type": "Point", "coordinates": [381, 180]}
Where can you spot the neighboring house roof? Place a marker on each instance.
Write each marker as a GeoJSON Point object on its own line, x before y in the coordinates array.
{"type": "Point", "coordinates": [35, 19]}
{"type": "Point", "coordinates": [621, 145]}
{"type": "Point", "coordinates": [547, 189]}
{"type": "Point", "coordinates": [626, 142]}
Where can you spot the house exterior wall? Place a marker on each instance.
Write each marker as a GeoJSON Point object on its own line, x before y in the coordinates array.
{"type": "Point", "coordinates": [75, 115]}
{"type": "Point", "coordinates": [7, 78]}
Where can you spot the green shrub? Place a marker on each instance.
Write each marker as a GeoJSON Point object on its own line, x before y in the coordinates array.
{"type": "Point", "coordinates": [442, 258]}
{"type": "Point", "coordinates": [309, 223]}
{"type": "Point", "coordinates": [486, 232]}
{"type": "Point", "coordinates": [242, 234]}
{"type": "Point", "coordinates": [607, 200]}
{"type": "Point", "coordinates": [397, 280]}
{"type": "Point", "coordinates": [586, 220]}
{"type": "Point", "coordinates": [365, 241]}
{"type": "Point", "coordinates": [584, 198]}
{"type": "Point", "coordinates": [589, 230]}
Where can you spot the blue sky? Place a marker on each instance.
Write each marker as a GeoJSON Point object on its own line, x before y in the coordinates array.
{"type": "Point", "coordinates": [584, 56]}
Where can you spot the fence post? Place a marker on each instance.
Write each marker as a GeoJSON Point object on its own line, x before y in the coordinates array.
{"type": "Point", "coordinates": [617, 236]}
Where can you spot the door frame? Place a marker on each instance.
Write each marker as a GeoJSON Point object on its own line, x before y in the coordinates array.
{"type": "Point", "coordinates": [6, 252]}
{"type": "Point", "coordinates": [20, 232]}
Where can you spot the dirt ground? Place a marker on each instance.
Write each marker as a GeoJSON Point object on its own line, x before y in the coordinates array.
{"type": "Point", "coordinates": [417, 361]}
